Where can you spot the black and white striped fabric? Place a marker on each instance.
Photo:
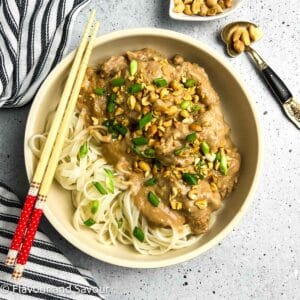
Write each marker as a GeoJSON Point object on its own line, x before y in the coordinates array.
{"type": "Point", "coordinates": [48, 275]}
{"type": "Point", "coordinates": [34, 37]}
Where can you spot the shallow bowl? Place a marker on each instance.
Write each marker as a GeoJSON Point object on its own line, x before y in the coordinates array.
{"type": "Point", "coordinates": [239, 112]}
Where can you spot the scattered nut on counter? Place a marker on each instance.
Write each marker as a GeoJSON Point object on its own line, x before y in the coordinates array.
{"type": "Point", "coordinates": [201, 7]}
{"type": "Point", "coordinates": [240, 37]}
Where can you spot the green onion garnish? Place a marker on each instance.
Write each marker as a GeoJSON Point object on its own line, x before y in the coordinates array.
{"type": "Point", "coordinates": [94, 206]}
{"type": "Point", "coordinates": [133, 67]}
{"type": "Point", "coordinates": [195, 107]}
{"type": "Point", "coordinates": [100, 188]}
{"type": "Point", "coordinates": [189, 83]}
{"type": "Point", "coordinates": [111, 105]}
{"type": "Point", "coordinates": [178, 152]}
{"type": "Point", "coordinates": [139, 234]}
{"type": "Point", "coordinates": [150, 181]}
{"type": "Point", "coordinates": [145, 120]}
{"type": "Point", "coordinates": [118, 82]}
{"type": "Point", "coordinates": [204, 148]}
{"type": "Point", "coordinates": [121, 129]}
{"type": "Point", "coordinates": [190, 179]}
{"type": "Point", "coordinates": [218, 156]}
{"type": "Point", "coordinates": [223, 165]}
{"type": "Point", "coordinates": [83, 150]}
{"type": "Point", "coordinates": [139, 141]}
{"type": "Point", "coordinates": [99, 91]}
{"type": "Point", "coordinates": [109, 180]}
{"type": "Point", "coordinates": [185, 104]}
{"type": "Point", "coordinates": [149, 153]}
{"type": "Point", "coordinates": [108, 123]}
{"type": "Point", "coordinates": [191, 137]}
{"type": "Point", "coordinates": [135, 88]}
{"type": "Point", "coordinates": [89, 222]}
{"type": "Point", "coordinates": [160, 82]}
{"type": "Point", "coordinates": [153, 199]}
{"type": "Point", "coordinates": [120, 222]}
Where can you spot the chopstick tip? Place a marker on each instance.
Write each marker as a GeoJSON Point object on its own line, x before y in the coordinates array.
{"type": "Point", "coordinates": [11, 257]}
{"type": "Point", "coordinates": [18, 272]}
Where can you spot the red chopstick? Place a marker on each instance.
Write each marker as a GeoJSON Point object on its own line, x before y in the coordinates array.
{"type": "Point", "coordinates": [52, 163]}
{"type": "Point", "coordinates": [22, 224]}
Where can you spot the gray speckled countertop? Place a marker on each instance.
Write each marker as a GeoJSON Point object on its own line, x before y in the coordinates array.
{"type": "Point", "coordinates": [260, 259]}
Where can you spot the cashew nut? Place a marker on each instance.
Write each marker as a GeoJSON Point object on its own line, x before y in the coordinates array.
{"type": "Point", "coordinates": [196, 7]}
{"type": "Point", "coordinates": [239, 46]}
{"type": "Point", "coordinates": [246, 38]}
{"type": "Point", "coordinates": [187, 10]}
{"type": "Point", "coordinates": [255, 33]}
{"type": "Point", "coordinates": [179, 6]}
{"type": "Point", "coordinates": [203, 10]}
{"type": "Point", "coordinates": [211, 3]}
{"type": "Point", "coordinates": [228, 3]}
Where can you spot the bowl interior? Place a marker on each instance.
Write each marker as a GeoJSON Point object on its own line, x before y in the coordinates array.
{"type": "Point", "coordinates": [238, 112]}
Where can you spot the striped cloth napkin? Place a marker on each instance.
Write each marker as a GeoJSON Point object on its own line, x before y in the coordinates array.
{"type": "Point", "coordinates": [48, 274]}
{"type": "Point", "coordinates": [34, 37]}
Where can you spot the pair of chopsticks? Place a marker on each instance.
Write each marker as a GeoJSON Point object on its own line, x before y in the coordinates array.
{"type": "Point", "coordinates": [35, 200]}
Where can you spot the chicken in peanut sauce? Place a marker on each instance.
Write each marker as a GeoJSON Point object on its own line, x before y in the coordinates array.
{"type": "Point", "coordinates": [163, 130]}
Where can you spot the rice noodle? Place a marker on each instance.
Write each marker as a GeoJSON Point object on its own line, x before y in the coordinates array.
{"type": "Point", "coordinates": [117, 216]}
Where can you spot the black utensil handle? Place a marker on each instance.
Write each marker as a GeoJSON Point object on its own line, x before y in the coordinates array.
{"type": "Point", "coordinates": [277, 86]}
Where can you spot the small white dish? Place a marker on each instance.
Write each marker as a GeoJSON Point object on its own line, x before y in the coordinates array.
{"type": "Point", "coordinates": [183, 17]}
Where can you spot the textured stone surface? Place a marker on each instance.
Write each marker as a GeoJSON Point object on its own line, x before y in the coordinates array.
{"type": "Point", "coordinates": [260, 259]}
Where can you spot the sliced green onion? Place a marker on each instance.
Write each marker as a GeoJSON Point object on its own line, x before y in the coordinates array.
{"type": "Point", "coordinates": [190, 179]}
{"type": "Point", "coordinates": [223, 165]}
{"type": "Point", "coordinates": [139, 234]}
{"type": "Point", "coordinates": [111, 105]}
{"type": "Point", "coordinates": [135, 88]}
{"type": "Point", "coordinates": [177, 152]}
{"type": "Point", "coordinates": [200, 176]}
{"type": "Point", "coordinates": [185, 104]}
{"type": "Point", "coordinates": [100, 188]}
{"type": "Point", "coordinates": [160, 82]}
{"type": "Point", "coordinates": [139, 141]}
{"type": "Point", "coordinates": [191, 137]}
{"type": "Point", "coordinates": [150, 181]}
{"type": "Point", "coordinates": [195, 107]}
{"type": "Point", "coordinates": [89, 222]}
{"type": "Point", "coordinates": [136, 150]}
{"type": "Point", "coordinates": [94, 206]}
{"type": "Point", "coordinates": [108, 123]}
{"type": "Point", "coordinates": [112, 97]}
{"type": "Point", "coordinates": [149, 153]}
{"type": "Point", "coordinates": [120, 222]}
{"type": "Point", "coordinates": [204, 148]}
{"type": "Point", "coordinates": [83, 151]}
{"type": "Point", "coordinates": [121, 129]}
{"type": "Point", "coordinates": [153, 199]}
{"type": "Point", "coordinates": [189, 83]}
{"type": "Point", "coordinates": [145, 120]}
{"type": "Point", "coordinates": [109, 180]}
{"type": "Point", "coordinates": [218, 156]}
{"type": "Point", "coordinates": [133, 67]}
{"type": "Point", "coordinates": [118, 82]}
{"type": "Point", "coordinates": [100, 91]}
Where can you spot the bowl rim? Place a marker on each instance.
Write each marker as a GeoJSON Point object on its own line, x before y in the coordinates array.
{"type": "Point", "coordinates": [182, 17]}
{"type": "Point", "coordinates": [226, 230]}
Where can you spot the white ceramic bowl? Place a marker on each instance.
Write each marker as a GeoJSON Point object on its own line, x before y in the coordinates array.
{"type": "Point", "coordinates": [184, 17]}
{"type": "Point", "coordinates": [238, 110]}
